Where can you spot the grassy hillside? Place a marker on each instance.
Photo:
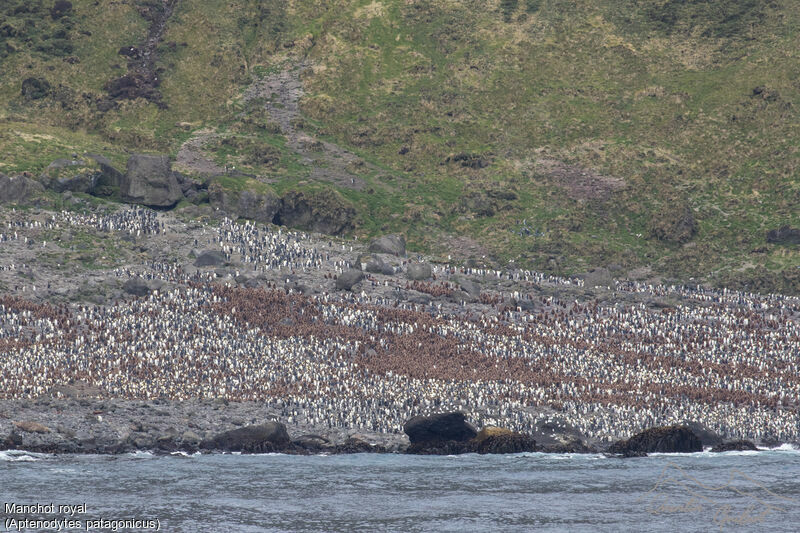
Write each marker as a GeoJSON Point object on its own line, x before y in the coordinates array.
{"type": "Point", "coordinates": [562, 134]}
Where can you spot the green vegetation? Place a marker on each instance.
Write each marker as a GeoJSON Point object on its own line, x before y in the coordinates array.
{"type": "Point", "coordinates": [561, 134]}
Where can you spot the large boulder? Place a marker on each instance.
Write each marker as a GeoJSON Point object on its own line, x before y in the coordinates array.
{"type": "Point", "coordinates": [735, 445]}
{"type": "Point", "coordinates": [707, 436]}
{"type": "Point", "coordinates": [109, 175]}
{"type": "Point", "coordinates": [210, 258]}
{"type": "Point", "coordinates": [504, 442]}
{"type": "Point", "coordinates": [419, 271]}
{"type": "Point", "coordinates": [372, 263]}
{"type": "Point", "coordinates": [323, 211]}
{"type": "Point", "coordinates": [439, 427]}
{"type": "Point", "coordinates": [348, 278]}
{"type": "Point", "coordinates": [669, 439]}
{"type": "Point", "coordinates": [14, 189]}
{"type": "Point", "coordinates": [267, 437]}
{"type": "Point", "coordinates": [389, 244]}
{"type": "Point", "coordinates": [149, 180]}
{"type": "Point", "coordinates": [137, 286]}
{"type": "Point", "coordinates": [784, 235]}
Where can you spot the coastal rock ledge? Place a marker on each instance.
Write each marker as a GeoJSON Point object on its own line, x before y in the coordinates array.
{"type": "Point", "coordinates": [263, 438]}
{"type": "Point", "coordinates": [451, 434]}
{"type": "Point", "coordinates": [669, 439]}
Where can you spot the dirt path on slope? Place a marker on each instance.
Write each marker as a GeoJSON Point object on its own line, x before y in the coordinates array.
{"type": "Point", "coordinates": [282, 92]}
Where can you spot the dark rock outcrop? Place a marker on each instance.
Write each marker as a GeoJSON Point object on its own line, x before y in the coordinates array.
{"type": "Point", "coordinates": [735, 445]}
{"type": "Point", "coordinates": [74, 175]}
{"type": "Point", "coordinates": [669, 439]}
{"type": "Point", "coordinates": [210, 258]}
{"type": "Point", "coordinates": [150, 181]}
{"type": "Point", "coordinates": [506, 442]}
{"type": "Point", "coordinates": [439, 428]}
{"type": "Point", "coordinates": [784, 235]}
{"type": "Point", "coordinates": [15, 189]}
{"type": "Point", "coordinates": [109, 175]}
{"type": "Point", "coordinates": [357, 445]}
{"type": "Point", "coordinates": [707, 436]}
{"type": "Point", "coordinates": [389, 244]}
{"type": "Point", "coordinates": [267, 437]}
{"type": "Point", "coordinates": [323, 211]}
{"type": "Point", "coordinates": [35, 88]}
{"type": "Point", "coordinates": [261, 207]}
{"type": "Point", "coordinates": [419, 271]}
{"type": "Point", "coordinates": [137, 286]}
{"type": "Point", "coordinates": [348, 278]}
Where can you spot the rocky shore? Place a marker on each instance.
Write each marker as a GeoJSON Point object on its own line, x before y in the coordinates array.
{"type": "Point", "coordinates": [81, 424]}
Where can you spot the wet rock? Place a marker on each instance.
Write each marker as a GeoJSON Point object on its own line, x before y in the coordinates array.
{"type": "Point", "coordinates": [669, 439]}
{"type": "Point", "coordinates": [506, 442]}
{"type": "Point", "coordinates": [439, 427]}
{"type": "Point", "coordinates": [419, 271]}
{"type": "Point", "coordinates": [313, 443]}
{"type": "Point", "coordinates": [347, 279]}
{"type": "Point", "coordinates": [389, 244]}
{"type": "Point", "coordinates": [149, 180]}
{"type": "Point", "coordinates": [707, 436]}
{"type": "Point", "coordinates": [12, 441]}
{"type": "Point", "coordinates": [267, 437]}
{"type": "Point", "coordinates": [356, 444]}
{"type": "Point", "coordinates": [735, 445]}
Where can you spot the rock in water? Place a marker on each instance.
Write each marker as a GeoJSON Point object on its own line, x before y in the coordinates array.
{"type": "Point", "coordinates": [210, 258]}
{"type": "Point", "coordinates": [419, 271]}
{"type": "Point", "coordinates": [509, 442]}
{"type": "Point", "coordinates": [439, 427]}
{"type": "Point", "coordinates": [149, 180]}
{"type": "Point", "coordinates": [669, 439]}
{"type": "Point", "coordinates": [17, 188]}
{"type": "Point", "coordinates": [389, 244]}
{"type": "Point", "coordinates": [267, 437]}
{"type": "Point", "coordinates": [707, 436]}
{"type": "Point", "coordinates": [735, 445]}
{"type": "Point", "coordinates": [348, 278]}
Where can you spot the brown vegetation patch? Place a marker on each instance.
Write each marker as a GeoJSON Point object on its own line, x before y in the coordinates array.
{"type": "Point", "coordinates": [580, 183]}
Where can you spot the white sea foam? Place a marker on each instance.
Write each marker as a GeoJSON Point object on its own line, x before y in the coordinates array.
{"type": "Point", "coordinates": [21, 456]}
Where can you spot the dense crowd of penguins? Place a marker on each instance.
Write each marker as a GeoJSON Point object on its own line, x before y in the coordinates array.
{"type": "Point", "coordinates": [359, 360]}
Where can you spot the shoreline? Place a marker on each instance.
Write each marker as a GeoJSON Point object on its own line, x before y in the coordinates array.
{"type": "Point", "coordinates": [107, 426]}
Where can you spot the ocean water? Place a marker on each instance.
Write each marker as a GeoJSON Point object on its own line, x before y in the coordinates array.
{"type": "Point", "coordinates": [734, 491]}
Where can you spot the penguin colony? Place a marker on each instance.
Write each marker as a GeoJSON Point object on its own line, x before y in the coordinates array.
{"type": "Point", "coordinates": [361, 360]}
